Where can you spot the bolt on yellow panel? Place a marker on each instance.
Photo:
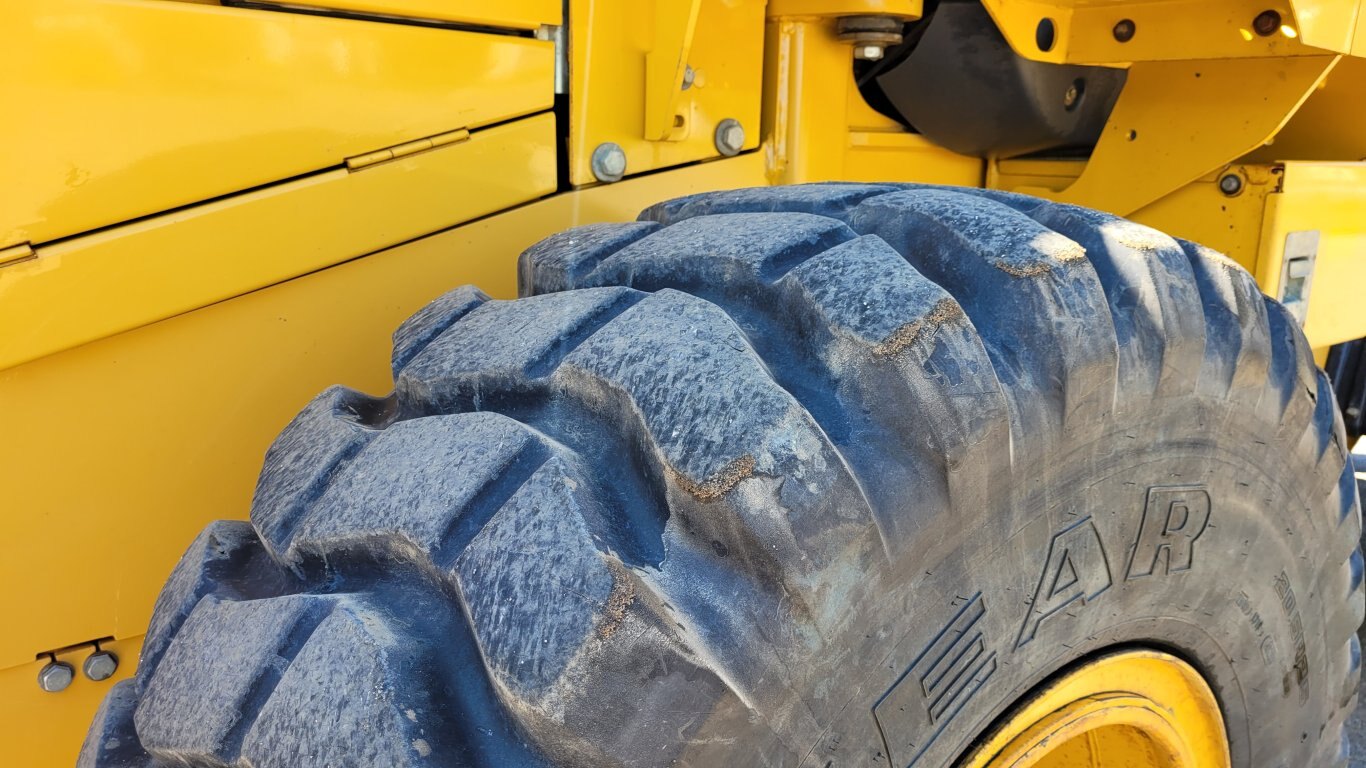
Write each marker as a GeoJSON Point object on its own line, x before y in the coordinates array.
{"type": "Point", "coordinates": [38, 728]}
{"type": "Point", "coordinates": [134, 107]}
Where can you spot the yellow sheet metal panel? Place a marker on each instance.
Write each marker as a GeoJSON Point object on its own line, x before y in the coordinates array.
{"type": "Point", "coordinates": [1177, 121]}
{"type": "Point", "coordinates": [819, 128]}
{"type": "Point", "coordinates": [133, 107]}
{"type": "Point", "coordinates": [1202, 213]}
{"type": "Point", "coordinates": [666, 64]}
{"type": "Point", "coordinates": [127, 446]}
{"type": "Point", "coordinates": [907, 9]}
{"type": "Point", "coordinates": [1331, 125]}
{"type": "Point", "coordinates": [1083, 31]}
{"type": "Point", "coordinates": [1199, 211]}
{"type": "Point", "coordinates": [904, 156]}
{"type": "Point", "coordinates": [1333, 25]}
{"type": "Point", "coordinates": [90, 287]}
{"type": "Point", "coordinates": [516, 14]}
{"type": "Point", "coordinates": [1326, 199]}
{"type": "Point", "coordinates": [610, 41]}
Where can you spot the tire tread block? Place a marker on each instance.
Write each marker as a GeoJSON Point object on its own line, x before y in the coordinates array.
{"type": "Point", "coordinates": [301, 462]}
{"type": "Point", "coordinates": [383, 718]}
{"type": "Point", "coordinates": [561, 261]}
{"type": "Point", "coordinates": [503, 344]}
{"type": "Point", "coordinates": [111, 742]}
{"type": "Point", "coordinates": [415, 333]}
{"type": "Point", "coordinates": [415, 486]}
{"type": "Point", "coordinates": [833, 200]}
{"type": "Point", "coordinates": [198, 572]}
{"type": "Point", "coordinates": [1028, 290]}
{"type": "Point", "coordinates": [224, 663]}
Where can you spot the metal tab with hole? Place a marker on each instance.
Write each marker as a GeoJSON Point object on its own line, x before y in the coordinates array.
{"type": "Point", "coordinates": [1297, 271]}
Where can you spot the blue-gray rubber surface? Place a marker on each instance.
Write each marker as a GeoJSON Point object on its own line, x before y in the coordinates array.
{"type": "Point", "coordinates": [709, 493]}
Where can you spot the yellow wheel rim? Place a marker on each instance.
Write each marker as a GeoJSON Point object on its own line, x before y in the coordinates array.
{"type": "Point", "coordinates": [1135, 709]}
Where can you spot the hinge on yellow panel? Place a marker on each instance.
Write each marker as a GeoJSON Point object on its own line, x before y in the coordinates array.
{"type": "Point", "coordinates": [16, 254]}
{"type": "Point", "coordinates": [407, 148]}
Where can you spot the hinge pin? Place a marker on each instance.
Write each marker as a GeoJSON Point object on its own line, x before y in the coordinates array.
{"type": "Point", "coordinates": [368, 159]}
{"type": "Point", "coordinates": [16, 254]}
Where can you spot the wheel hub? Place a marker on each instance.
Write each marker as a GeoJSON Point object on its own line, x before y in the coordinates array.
{"type": "Point", "coordinates": [1135, 709]}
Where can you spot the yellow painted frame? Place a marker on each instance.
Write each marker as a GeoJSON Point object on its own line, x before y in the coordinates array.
{"type": "Point", "coordinates": [1178, 30]}
{"type": "Point", "coordinates": [611, 43]}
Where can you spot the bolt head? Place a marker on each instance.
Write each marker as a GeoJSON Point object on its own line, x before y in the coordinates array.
{"type": "Point", "coordinates": [56, 676]}
{"type": "Point", "coordinates": [1266, 23]}
{"type": "Point", "coordinates": [100, 665]}
{"type": "Point", "coordinates": [1124, 30]}
{"type": "Point", "coordinates": [1231, 184]}
{"type": "Point", "coordinates": [868, 52]}
{"type": "Point", "coordinates": [609, 162]}
{"type": "Point", "coordinates": [688, 77]}
{"type": "Point", "coordinates": [1070, 97]}
{"type": "Point", "coordinates": [730, 137]}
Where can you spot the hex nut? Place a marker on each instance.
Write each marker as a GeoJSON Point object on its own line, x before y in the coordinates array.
{"type": "Point", "coordinates": [56, 676]}
{"type": "Point", "coordinates": [730, 137]}
{"type": "Point", "coordinates": [100, 665]}
{"type": "Point", "coordinates": [688, 77]}
{"type": "Point", "coordinates": [609, 162]}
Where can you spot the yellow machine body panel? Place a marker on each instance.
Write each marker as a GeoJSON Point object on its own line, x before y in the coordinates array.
{"type": "Point", "coordinates": [135, 107]}
{"type": "Point", "coordinates": [513, 14]}
{"type": "Point", "coordinates": [1323, 202]}
{"type": "Point", "coordinates": [1083, 31]}
{"type": "Point", "coordinates": [160, 266]}
{"type": "Point", "coordinates": [211, 213]}
{"type": "Point", "coordinates": [129, 265]}
{"type": "Point", "coordinates": [628, 63]}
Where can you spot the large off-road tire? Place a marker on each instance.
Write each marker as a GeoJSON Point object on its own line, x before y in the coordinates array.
{"type": "Point", "coordinates": [819, 475]}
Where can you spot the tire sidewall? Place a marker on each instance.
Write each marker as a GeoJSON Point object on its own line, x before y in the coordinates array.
{"type": "Point", "coordinates": [1241, 605]}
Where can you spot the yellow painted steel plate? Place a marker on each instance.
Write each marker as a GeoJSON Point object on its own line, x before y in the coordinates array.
{"type": "Point", "coordinates": [609, 45]}
{"type": "Point", "coordinates": [89, 287]}
{"type": "Point", "coordinates": [516, 14]}
{"type": "Point", "coordinates": [1327, 199]}
{"type": "Point", "coordinates": [1171, 30]}
{"type": "Point", "coordinates": [125, 108]}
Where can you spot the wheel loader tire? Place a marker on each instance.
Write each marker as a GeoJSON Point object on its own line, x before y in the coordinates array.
{"type": "Point", "coordinates": [820, 475]}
